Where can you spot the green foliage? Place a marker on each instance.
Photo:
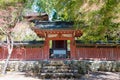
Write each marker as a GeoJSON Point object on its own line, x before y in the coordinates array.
{"type": "Point", "coordinates": [29, 3]}
{"type": "Point", "coordinates": [5, 3]}
{"type": "Point", "coordinates": [98, 19]}
{"type": "Point", "coordinates": [10, 14]}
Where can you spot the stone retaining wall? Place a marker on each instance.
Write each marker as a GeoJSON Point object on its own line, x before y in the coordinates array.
{"type": "Point", "coordinates": [83, 66]}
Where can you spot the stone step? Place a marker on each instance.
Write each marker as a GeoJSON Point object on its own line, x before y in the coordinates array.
{"type": "Point", "coordinates": [57, 74]}
{"type": "Point", "coordinates": [63, 71]}
{"type": "Point", "coordinates": [61, 75]}
{"type": "Point", "coordinates": [58, 69]}
{"type": "Point", "coordinates": [56, 62]}
{"type": "Point", "coordinates": [55, 67]}
{"type": "Point", "coordinates": [49, 64]}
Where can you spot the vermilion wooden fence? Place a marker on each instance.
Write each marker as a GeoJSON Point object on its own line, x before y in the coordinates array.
{"type": "Point", "coordinates": [23, 54]}
{"type": "Point", "coordinates": [37, 53]}
{"type": "Point", "coordinates": [98, 53]}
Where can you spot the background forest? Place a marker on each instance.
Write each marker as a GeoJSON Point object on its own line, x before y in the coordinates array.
{"type": "Point", "coordinates": [98, 19]}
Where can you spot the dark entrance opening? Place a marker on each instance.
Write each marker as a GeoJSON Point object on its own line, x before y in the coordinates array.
{"type": "Point", "coordinates": [59, 49]}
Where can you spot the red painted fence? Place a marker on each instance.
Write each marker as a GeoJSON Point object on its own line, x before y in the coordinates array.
{"type": "Point", "coordinates": [37, 53]}
{"type": "Point", "coordinates": [98, 53]}
{"type": "Point", "coordinates": [23, 53]}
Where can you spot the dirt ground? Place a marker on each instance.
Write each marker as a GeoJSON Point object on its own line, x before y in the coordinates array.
{"type": "Point", "coordinates": [102, 76]}
{"type": "Point", "coordinates": [91, 76]}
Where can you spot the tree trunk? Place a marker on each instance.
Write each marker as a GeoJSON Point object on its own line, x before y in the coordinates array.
{"type": "Point", "coordinates": [6, 64]}
{"type": "Point", "coordinates": [10, 49]}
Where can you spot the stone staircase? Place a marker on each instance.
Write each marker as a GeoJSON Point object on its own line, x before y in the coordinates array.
{"type": "Point", "coordinates": [58, 70]}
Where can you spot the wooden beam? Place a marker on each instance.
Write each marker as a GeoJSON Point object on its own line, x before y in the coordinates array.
{"type": "Point", "coordinates": [63, 38]}
{"type": "Point", "coordinates": [75, 33]}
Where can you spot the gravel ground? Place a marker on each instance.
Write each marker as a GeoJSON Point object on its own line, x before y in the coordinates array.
{"type": "Point", "coordinates": [91, 76]}
{"type": "Point", "coordinates": [102, 76]}
{"type": "Point", "coordinates": [16, 76]}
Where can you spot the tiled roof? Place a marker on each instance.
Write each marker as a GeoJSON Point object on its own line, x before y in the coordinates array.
{"type": "Point", "coordinates": [26, 43]}
{"type": "Point", "coordinates": [54, 25]}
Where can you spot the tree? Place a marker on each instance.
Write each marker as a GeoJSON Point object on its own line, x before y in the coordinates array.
{"type": "Point", "coordinates": [9, 42]}
{"type": "Point", "coordinates": [99, 19]}
{"type": "Point", "coordinates": [12, 11]}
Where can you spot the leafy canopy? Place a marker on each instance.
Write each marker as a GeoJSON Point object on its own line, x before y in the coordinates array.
{"type": "Point", "coordinates": [99, 19]}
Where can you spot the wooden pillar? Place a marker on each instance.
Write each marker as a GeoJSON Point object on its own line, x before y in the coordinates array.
{"type": "Point", "coordinates": [46, 49]}
{"type": "Point", "coordinates": [73, 49]}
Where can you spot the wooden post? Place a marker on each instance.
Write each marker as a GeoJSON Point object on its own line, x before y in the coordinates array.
{"type": "Point", "coordinates": [46, 49]}
{"type": "Point", "coordinates": [73, 49]}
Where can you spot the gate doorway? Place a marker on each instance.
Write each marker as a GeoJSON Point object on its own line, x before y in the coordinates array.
{"type": "Point", "coordinates": [59, 49]}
